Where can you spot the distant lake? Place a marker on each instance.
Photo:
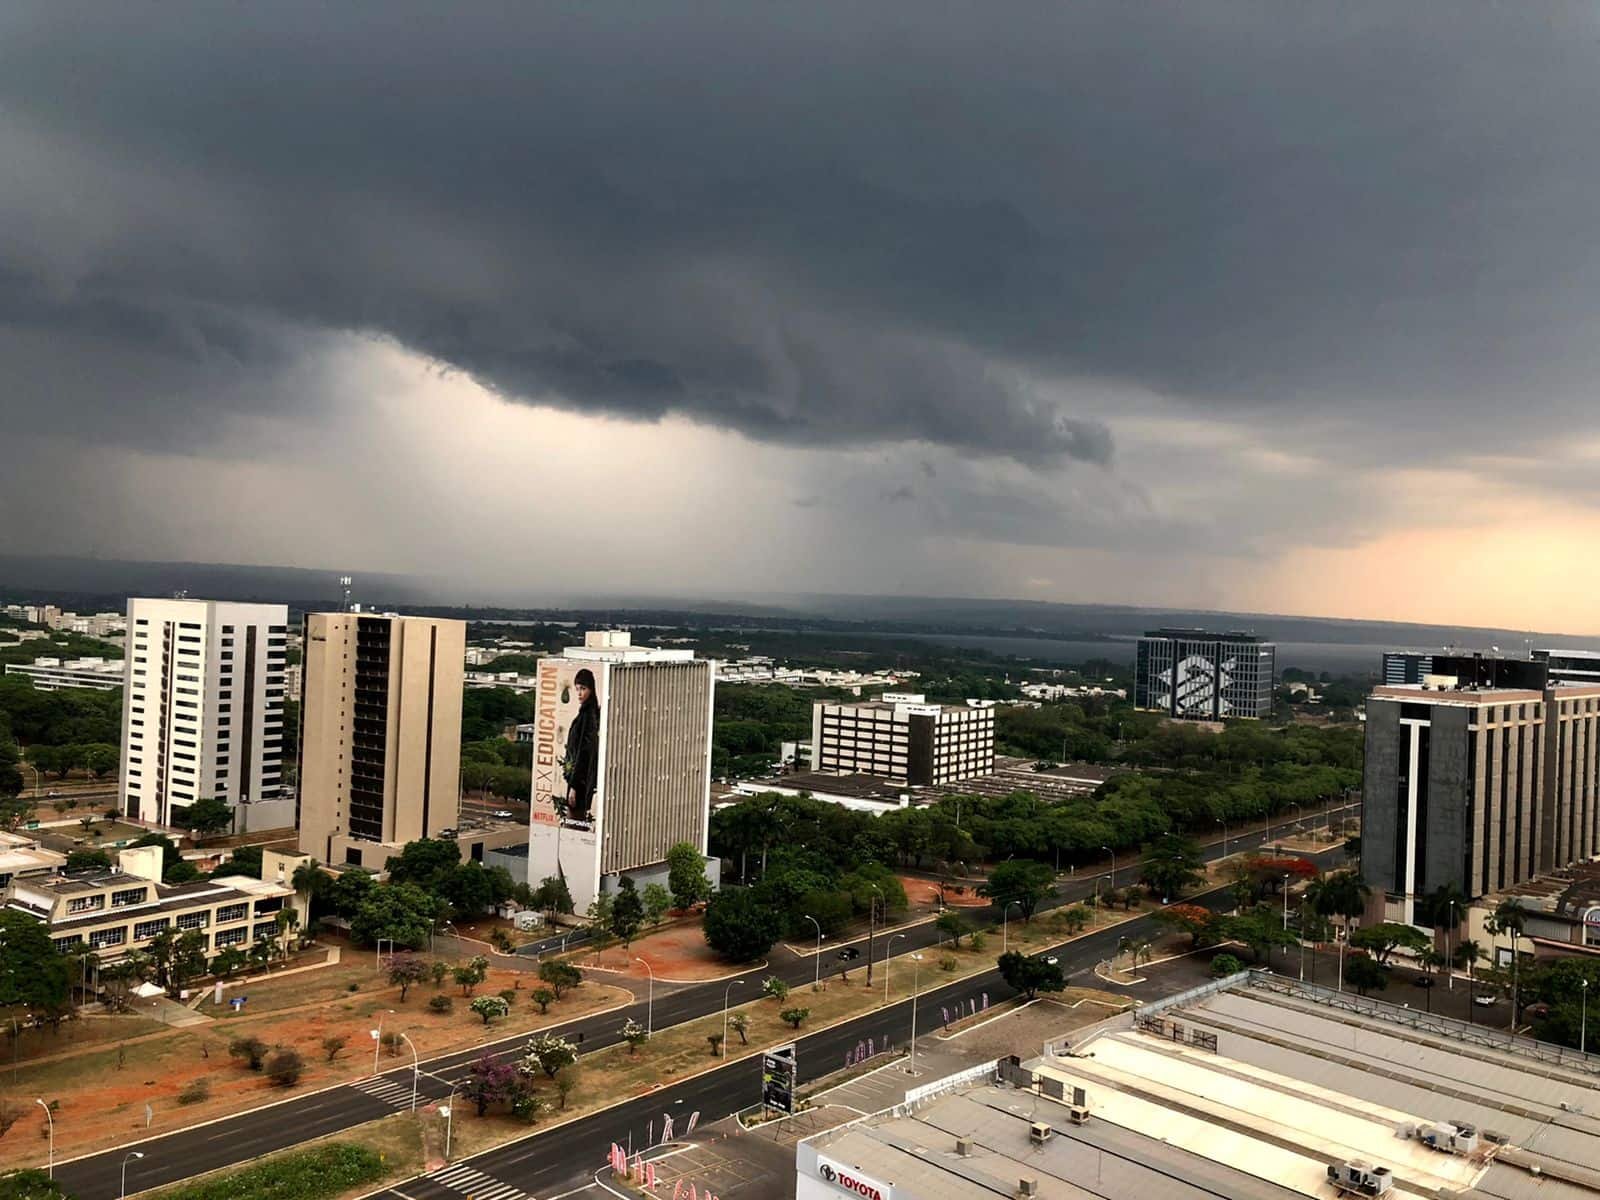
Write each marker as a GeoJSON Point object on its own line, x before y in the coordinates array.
{"type": "Point", "coordinates": [1338, 658]}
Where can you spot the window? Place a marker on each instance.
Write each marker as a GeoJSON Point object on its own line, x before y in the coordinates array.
{"type": "Point", "coordinates": [232, 912]}
{"type": "Point", "coordinates": [107, 937]}
{"type": "Point", "coordinates": [230, 937]}
{"type": "Point", "coordinates": [127, 896]}
{"type": "Point", "coordinates": [66, 944]}
{"type": "Point", "coordinates": [149, 929]}
{"type": "Point", "coordinates": [194, 920]}
{"type": "Point", "coordinates": [83, 904]}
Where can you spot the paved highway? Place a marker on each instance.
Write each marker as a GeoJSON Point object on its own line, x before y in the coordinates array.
{"type": "Point", "coordinates": [183, 1153]}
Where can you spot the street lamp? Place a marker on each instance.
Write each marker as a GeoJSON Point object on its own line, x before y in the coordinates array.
{"type": "Point", "coordinates": [377, 1038]}
{"type": "Point", "coordinates": [1449, 967]}
{"type": "Point", "coordinates": [1583, 1021]}
{"type": "Point", "coordinates": [51, 1172]}
{"type": "Point", "coordinates": [816, 973]}
{"type": "Point", "coordinates": [416, 1069]}
{"type": "Point", "coordinates": [132, 1154]}
{"type": "Point", "coordinates": [879, 890]}
{"type": "Point", "coordinates": [1005, 914]}
{"type": "Point", "coordinates": [447, 1110]}
{"type": "Point", "coordinates": [1286, 902]}
{"type": "Point", "coordinates": [650, 1001]}
{"type": "Point", "coordinates": [1112, 856]}
{"type": "Point", "coordinates": [726, 992]}
{"type": "Point", "coordinates": [887, 950]}
{"type": "Point", "coordinates": [916, 982]}
{"type": "Point", "coordinates": [1224, 825]}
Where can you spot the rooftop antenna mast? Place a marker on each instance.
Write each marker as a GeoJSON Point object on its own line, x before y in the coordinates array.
{"type": "Point", "coordinates": [345, 582]}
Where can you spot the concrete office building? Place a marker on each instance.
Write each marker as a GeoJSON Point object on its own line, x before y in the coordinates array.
{"type": "Point", "coordinates": [54, 674]}
{"type": "Point", "coordinates": [1570, 666]}
{"type": "Point", "coordinates": [903, 738]}
{"type": "Point", "coordinates": [380, 743]}
{"type": "Point", "coordinates": [1196, 675]}
{"type": "Point", "coordinates": [621, 762]}
{"type": "Point", "coordinates": [1405, 666]}
{"type": "Point", "coordinates": [202, 713]}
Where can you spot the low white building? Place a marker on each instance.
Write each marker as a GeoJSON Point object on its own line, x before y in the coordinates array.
{"type": "Point", "coordinates": [54, 674]}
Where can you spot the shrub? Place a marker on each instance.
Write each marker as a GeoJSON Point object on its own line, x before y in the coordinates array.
{"type": "Point", "coordinates": [285, 1067]}
{"type": "Point", "coordinates": [793, 1016]}
{"type": "Point", "coordinates": [560, 976]}
{"type": "Point", "coordinates": [331, 1046]}
{"type": "Point", "coordinates": [542, 996]}
{"type": "Point", "coordinates": [315, 1174]}
{"type": "Point", "coordinates": [775, 987]}
{"type": "Point", "coordinates": [740, 1024]}
{"type": "Point", "coordinates": [715, 1041]}
{"type": "Point", "coordinates": [354, 987]}
{"type": "Point", "coordinates": [252, 1049]}
{"type": "Point", "coordinates": [948, 963]}
{"type": "Point", "coordinates": [490, 1007]}
{"type": "Point", "coordinates": [509, 995]}
{"type": "Point", "coordinates": [440, 1003]}
{"type": "Point", "coordinates": [634, 1034]}
{"type": "Point", "coordinates": [978, 940]}
{"type": "Point", "coordinates": [195, 1091]}
{"type": "Point", "coordinates": [1225, 964]}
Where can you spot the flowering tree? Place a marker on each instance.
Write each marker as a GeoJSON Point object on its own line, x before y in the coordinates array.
{"type": "Point", "coordinates": [547, 1053]}
{"type": "Point", "coordinates": [491, 1082]}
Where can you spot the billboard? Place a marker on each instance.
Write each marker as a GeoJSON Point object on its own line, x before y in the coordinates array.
{"type": "Point", "coordinates": [778, 1068]}
{"type": "Point", "coordinates": [568, 743]}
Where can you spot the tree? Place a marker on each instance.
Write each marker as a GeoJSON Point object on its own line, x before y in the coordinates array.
{"type": "Point", "coordinates": [686, 875]}
{"type": "Point", "coordinates": [33, 975]}
{"type": "Point", "coordinates": [951, 925]}
{"type": "Point", "coordinates": [350, 888]}
{"type": "Point", "coordinates": [548, 1053]}
{"type": "Point", "coordinates": [331, 1045]}
{"type": "Point", "coordinates": [627, 912]}
{"type": "Point", "coordinates": [794, 1016]}
{"type": "Point", "coordinates": [251, 1049]}
{"type": "Point", "coordinates": [427, 862]}
{"type": "Point", "coordinates": [599, 917]}
{"type": "Point", "coordinates": [437, 970]}
{"type": "Point", "coordinates": [1258, 928]}
{"type": "Point", "coordinates": [182, 871]}
{"type": "Point", "coordinates": [30, 1184]}
{"type": "Point", "coordinates": [470, 974]}
{"type": "Point", "coordinates": [560, 976]}
{"type": "Point", "coordinates": [777, 988]}
{"type": "Point", "coordinates": [208, 815]}
{"type": "Point", "coordinates": [1510, 917]}
{"type": "Point", "coordinates": [1340, 894]}
{"type": "Point", "coordinates": [406, 970]}
{"type": "Point", "coordinates": [1365, 974]}
{"type": "Point", "coordinates": [739, 926]}
{"type": "Point", "coordinates": [714, 1040]}
{"type": "Point", "coordinates": [740, 1024]}
{"type": "Point", "coordinates": [657, 900]}
{"type": "Point", "coordinates": [316, 885]}
{"type": "Point", "coordinates": [552, 895]}
{"type": "Point", "coordinates": [634, 1034]}
{"type": "Point", "coordinates": [228, 962]}
{"type": "Point", "coordinates": [1224, 965]}
{"type": "Point", "coordinates": [246, 860]}
{"type": "Point", "coordinates": [285, 1067]}
{"type": "Point", "coordinates": [88, 860]}
{"type": "Point", "coordinates": [1021, 881]}
{"type": "Point", "coordinates": [490, 1007]}
{"type": "Point", "coordinates": [398, 912]}
{"type": "Point", "coordinates": [1201, 924]}
{"type": "Point", "coordinates": [491, 1082]}
{"type": "Point", "coordinates": [565, 1083]}
{"type": "Point", "coordinates": [1172, 865]}
{"type": "Point", "coordinates": [1384, 938]}
{"type": "Point", "coordinates": [1030, 976]}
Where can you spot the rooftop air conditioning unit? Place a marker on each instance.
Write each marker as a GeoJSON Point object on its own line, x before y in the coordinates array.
{"type": "Point", "coordinates": [1361, 1179]}
{"type": "Point", "coordinates": [1039, 1133]}
{"type": "Point", "coordinates": [1079, 1113]}
{"type": "Point", "coordinates": [1027, 1187]}
{"type": "Point", "coordinates": [964, 1147]}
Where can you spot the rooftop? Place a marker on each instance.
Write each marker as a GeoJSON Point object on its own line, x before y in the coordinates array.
{"type": "Point", "coordinates": [1475, 696]}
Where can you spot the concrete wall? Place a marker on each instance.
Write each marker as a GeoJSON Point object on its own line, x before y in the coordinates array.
{"type": "Point", "coordinates": [1379, 803]}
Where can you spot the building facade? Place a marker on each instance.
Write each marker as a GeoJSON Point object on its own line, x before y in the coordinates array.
{"type": "Point", "coordinates": [54, 674]}
{"type": "Point", "coordinates": [903, 738]}
{"type": "Point", "coordinates": [1196, 675]}
{"type": "Point", "coordinates": [621, 762]}
{"type": "Point", "coordinates": [202, 712]}
{"type": "Point", "coordinates": [1401, 667]}
{"type": "Point", "coordinates": [380, 743]}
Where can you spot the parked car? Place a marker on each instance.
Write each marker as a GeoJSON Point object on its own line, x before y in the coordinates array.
{"type": "Point", "coordinates": [502, 814]}
{"type": "Point", "coordinates": [1484, 999]}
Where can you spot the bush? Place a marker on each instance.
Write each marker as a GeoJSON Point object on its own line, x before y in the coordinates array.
{"type": "Point", "coordinates": [1224, 965]}
{"type": "Point", "coordinates": [542, 996]}
{"type": "Point", "coordinates": [332, 1044]}
{"type": "Point", "coordinates": [354, 987]}
{"type": "Point", "coordinates": [252, 1049]}
{"type": "Point", "coordinates": [948, 963]}
{"type": "Point", "coordinates": [793, 1016]}
{"type": "Point", "coordinates": [509, 995]}
{"type": "Point", "coordinates": [775, 987]}
{"type": "Point", "coordinates": [315, 1174]}
{"type": "Point", "coordinates": [440, 1004]}
{"type": "Point", "coordinates": [285, 1067]}
{"type": "Point", "coordinates": [195, 1091]}
{"type": "Point", "coordinates": [977, 941]}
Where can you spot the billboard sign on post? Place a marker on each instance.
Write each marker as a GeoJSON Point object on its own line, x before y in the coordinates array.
{"type": "Point", "coordinates": [778, 1071]}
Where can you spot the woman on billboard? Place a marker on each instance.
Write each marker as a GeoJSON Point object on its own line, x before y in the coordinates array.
{"type": "Point", "coordinates": [581, 765]}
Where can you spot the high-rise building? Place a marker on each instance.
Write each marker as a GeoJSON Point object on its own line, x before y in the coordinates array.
{"type": "Point", "coordinates": [1405, 666]}
{"type": "Point", "coordinates": [1571, 666]}
{"type": "Point", "coordinates": [1478, 788]}
{"type": "Point", "coordinates": [904, 738]}
{"type": "Point", "coordinates": [621, 762]}
{"type": "Point", "coordinates": [202, 712]}
{"type": "Point", "coordinates": [380, 743]}
{"type": "Point", "coordinates": [1194, 674]}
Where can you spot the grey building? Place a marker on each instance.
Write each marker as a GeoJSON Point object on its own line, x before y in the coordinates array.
{"type": "Point", "coordinates": [1204, 676]}
{"type": "Point", "coordinates": [902, 737]}
{"type": "Point", "coordinates": [1405, 666]}
{"type": "Point", "coordinates": [1570, 666]}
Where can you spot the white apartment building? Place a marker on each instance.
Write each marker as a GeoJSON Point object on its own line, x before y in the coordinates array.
{"type": "Point", "coordinates": [202, 714]}
{"type": "Point", "coordinates": [904, 738]}
{"type": "Point", "coordinates": [53, 674]}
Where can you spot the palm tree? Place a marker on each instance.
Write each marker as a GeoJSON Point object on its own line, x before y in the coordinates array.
{"type": "Point", "coordinates": [1467, 954]}
{"type": "Point", "coordinates": [1510, 917]}
{"type": "Point", "coordinates": [1339, 894]}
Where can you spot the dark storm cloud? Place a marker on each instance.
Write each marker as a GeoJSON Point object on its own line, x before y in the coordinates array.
{"type": "Point", "coordinates": [815, 224]}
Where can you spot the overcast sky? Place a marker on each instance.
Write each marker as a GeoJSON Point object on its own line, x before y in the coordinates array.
{"type": "Point", "coordinates": [1285, 307]}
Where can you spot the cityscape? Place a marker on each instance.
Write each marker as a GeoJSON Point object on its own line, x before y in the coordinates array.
{"type": "Point", "coordinates": [740, 603]}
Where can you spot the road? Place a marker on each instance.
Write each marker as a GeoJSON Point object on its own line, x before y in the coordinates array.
{"type": "Point", "coordinates": [183, 1153]}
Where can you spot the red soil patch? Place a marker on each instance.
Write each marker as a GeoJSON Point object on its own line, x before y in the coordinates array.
{"type": "Point", "coordinates": [923, 895]}
{"type": "Point", "coordinates": [678, 951]}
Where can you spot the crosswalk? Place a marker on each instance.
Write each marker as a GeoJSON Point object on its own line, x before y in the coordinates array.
{"type": "Point", "coordinates": [386, 1090]}
{"type": "Point", "coordinates": [475, 1185]}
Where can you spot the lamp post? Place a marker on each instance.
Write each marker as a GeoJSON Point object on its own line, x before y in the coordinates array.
{"type": "Point", "coordinates": [377, 1038]}
{"type": "Point", "coordinates": [51, 1170]}
{"type": "Point", "coordinates": [1449, 967]}
{"type": "Point", "coordinates": [1224, 825]}
{"type": "Point", "coordinates": [1112, 856]}
{"type": "Point", "coordinates": [816, 959]}
{"type": "Point", "coordinates": [132, 1154]}
{"type": "Point", "coordinates": [870, 911]}
{"type": "Point", "coordinates": [1005, 914]}
{"type": "Point", "coordinates": [887, 950]}
{"type": "Point", "coordinates": [1583, 1021]}
{"type": "Point", "coordinates": [650, 1000]}
{"type": "Point", "coordinates": [449, 1111]}
{"type": "Point", "coordinates": [916, 985]}
{"type": "Point", "coordinates": [1286, 902]}
{"type": "Point", "coordinates": [416, 1069]}
{"type": "Point", "coordinates": [726, 992]}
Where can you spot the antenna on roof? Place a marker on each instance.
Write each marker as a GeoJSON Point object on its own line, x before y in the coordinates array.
{"type": "Point", "coordinates": [345, 582]}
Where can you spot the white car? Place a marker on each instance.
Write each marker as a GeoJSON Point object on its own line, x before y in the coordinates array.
{"type": "Point", "coordinates": [502, 814]}
{"type": "Point", "coordinates": [1483, 1001]}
